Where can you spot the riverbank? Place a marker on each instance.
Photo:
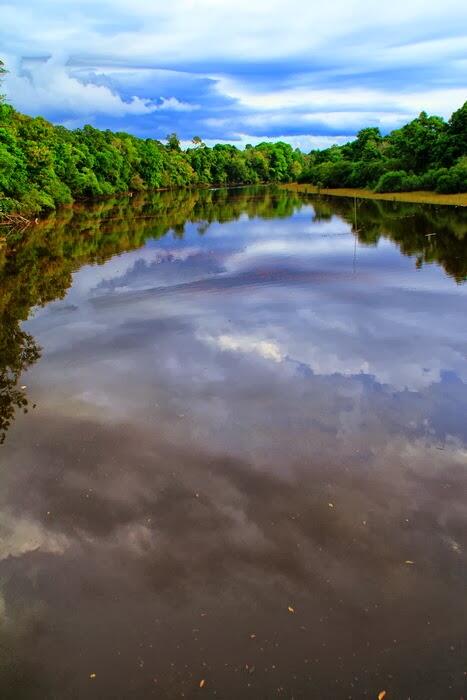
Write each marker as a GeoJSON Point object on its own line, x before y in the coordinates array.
{"type": "Point", "coordinates": [457, 200]}
{"type": "Point", "coordinates": [14, 222]}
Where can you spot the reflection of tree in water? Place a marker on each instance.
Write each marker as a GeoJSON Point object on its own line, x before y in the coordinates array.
{"type": "Point", "coordinates": [36, 265]}
{"type": "Point", "coordinates": [18, 350]}
{"type": "Point", "coordinates": [323, 209]}
{"type": "Point", "coordinates": [410, 226]}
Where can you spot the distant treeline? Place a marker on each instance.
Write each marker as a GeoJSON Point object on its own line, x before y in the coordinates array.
{"type": "Point", "coordinates": [43, 166]}
{"type": "Point", "coordinates": [426, 154]}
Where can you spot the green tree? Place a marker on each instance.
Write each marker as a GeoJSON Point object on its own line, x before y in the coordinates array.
{"type": "Point", "coordinates": [173, 142]}
{"type": "Point", "coordinates": [43, 166]}
{"type": "Point", "coordinates": [416, 144]}
{"type": "Point", "coordinates": [456, 141]}
{"type": "Point", "coordinates": [367, 145]}
{"type": "Point", "coordinates": [2, 73]}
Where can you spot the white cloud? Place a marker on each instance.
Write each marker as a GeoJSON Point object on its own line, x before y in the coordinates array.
{"type": "Point", "coordinates": [48, 85]}
{"type": "Point", "coordinates": [189, 29]}
{"type": "Point", "coordinates": [337, 108]}
{"type": "Point", "coordinates": [379, 64]}
{"type": "Point", "coordinates": [174, 105]}
{"type": "Point", "coordinates": [267, 349]}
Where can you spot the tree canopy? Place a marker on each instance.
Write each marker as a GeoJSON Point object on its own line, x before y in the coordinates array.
{"type": "Point", "coordinates": [428, 153]}
{"type": "Point", "coordinates": [2, 72]}
{"type": "Point", "coordinates": [43, 166]}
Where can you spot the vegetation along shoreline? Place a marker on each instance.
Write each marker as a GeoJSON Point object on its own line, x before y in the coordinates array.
{"type": "Point", "coordinates": [44, 166]}
{"type": "Point", "coordinates": [421, 197]}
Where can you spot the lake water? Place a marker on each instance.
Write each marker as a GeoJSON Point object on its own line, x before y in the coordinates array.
{"type": "Point", "coordinates": [242, 471]}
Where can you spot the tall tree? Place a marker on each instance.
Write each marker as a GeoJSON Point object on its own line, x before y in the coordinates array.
{"type": "Point", "coordinates": [457, 133]}
{"type": "Point", "coordinates": [2, 73]}
{"type": "Point", "coordinates": [173, 142]}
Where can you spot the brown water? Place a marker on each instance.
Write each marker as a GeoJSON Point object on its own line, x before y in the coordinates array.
{"type": "Point", "coordinates": [244, 460]}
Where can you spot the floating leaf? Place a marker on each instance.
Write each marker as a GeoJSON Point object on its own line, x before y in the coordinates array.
{"type": "Point", "coordinates": [202, 683]}
{"type": "Point", "coordinates": [290, 609]}
{"type": "Point", "coordinates": [382, 695]}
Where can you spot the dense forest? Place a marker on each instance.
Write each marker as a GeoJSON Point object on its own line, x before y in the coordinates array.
{"type": "Point", "coordinates": [43, 166]}
{"type": "Point", "coordinates": [428, 153]}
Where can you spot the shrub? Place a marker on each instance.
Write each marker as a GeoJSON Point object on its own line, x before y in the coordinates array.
{"type": "Point", "coordinates": [411, 183]}
{"type": "Point", "coordinates": [366, 173]}
{"type": "Point", "coordinates": [429, 180]}
{"type": "Point", "coordinates": [36, 201]}
{"type": "Point", "coordinates": [454, 180]}
{"type": "Point", "coordinates": [393, 181]}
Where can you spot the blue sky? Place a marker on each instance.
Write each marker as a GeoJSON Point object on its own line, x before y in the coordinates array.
{"type": "Point", "coordinates": [311, 73]}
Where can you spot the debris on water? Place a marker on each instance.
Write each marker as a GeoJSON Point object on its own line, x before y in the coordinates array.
{"type": "Point", "coordinates": [92, 676]}
{"type": "Point", "coordinates": [409, 561]}
{"type": "Point", "coordinates": [202, 683]}
{"type": "Point", "coordinates": [331, 505]}
{"type": "Point", "coordinates": [252, 636]}
{"type": "Point", "coordinates": [382, 695]}
{"type": "Point", "coordinates": [291, 609]}
{"type": "Point", "coordinates": [24, 386]}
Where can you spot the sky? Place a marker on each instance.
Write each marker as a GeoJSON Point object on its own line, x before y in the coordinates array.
{"type": "Point", "coordinates": [309, 73]}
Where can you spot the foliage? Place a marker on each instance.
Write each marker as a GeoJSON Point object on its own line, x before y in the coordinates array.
{"type": "Point", "coordinates": [2, 72]}
{"type": "Point", "coordinates": [426, 154]}
{"type": "Point", "coordinates": [43, 166]}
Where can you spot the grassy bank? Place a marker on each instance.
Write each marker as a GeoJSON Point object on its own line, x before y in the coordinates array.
{"type": "Point", "coordinates": [457, 200]}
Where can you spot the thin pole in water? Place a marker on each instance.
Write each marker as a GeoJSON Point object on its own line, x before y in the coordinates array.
{"type": "Point", "coordinates": [355, 236]}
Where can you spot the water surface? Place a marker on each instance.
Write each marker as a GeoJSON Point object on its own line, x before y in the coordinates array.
{"type": "Point", "coordinates": [244, 456]}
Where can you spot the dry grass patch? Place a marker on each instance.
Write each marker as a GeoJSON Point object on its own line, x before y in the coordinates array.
{"type": "Point", "coordinates": [457, 200]}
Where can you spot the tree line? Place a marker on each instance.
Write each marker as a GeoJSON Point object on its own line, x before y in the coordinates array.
{"type": "Point", "coordinates": [43, 166]}
{"type": "Point", "coordinates": [428, 153]}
